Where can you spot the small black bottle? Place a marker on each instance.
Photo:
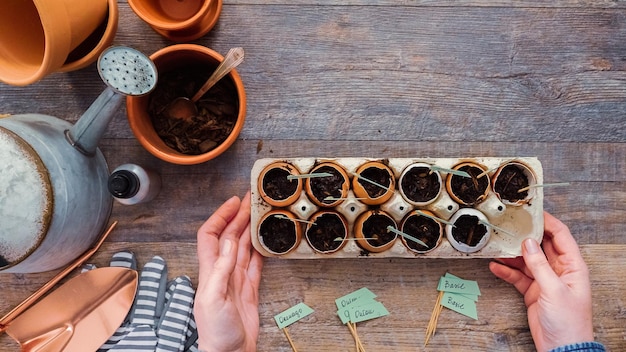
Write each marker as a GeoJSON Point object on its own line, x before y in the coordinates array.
{"type": "Point", "coordinates": [132, 184]}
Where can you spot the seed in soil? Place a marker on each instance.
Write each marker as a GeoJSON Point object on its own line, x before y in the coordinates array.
{"type": "Point", "coordinates": [330, 186]}
{"type": "Point", "coordinates": [468, 230]}
{"type": "Point", "coordinates": [424, 229]}
{"type": "Point", "coordinates": [323, 234]}
{"type": "Point", "coordinates": [510, 180]}
{"type": "Point", "coordinates": [278, 235]}
{"type": "Point", "coordinates": [419, 184]}
{"type": "Point", "coordinates": [277, 186]}
{"type": "Point", "coordinates": [469, 190]}
{"type": "Point", "coordinates": [375, 230]}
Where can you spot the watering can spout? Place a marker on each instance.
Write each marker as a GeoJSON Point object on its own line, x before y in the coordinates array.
{"type": "Point", "coordinates": [126, 71]}
{"type": "Point", "coordinates": [87, 132]}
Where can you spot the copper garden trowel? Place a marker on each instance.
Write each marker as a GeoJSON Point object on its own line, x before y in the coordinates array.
{"type": "Point", "coordinates": [80, 315]}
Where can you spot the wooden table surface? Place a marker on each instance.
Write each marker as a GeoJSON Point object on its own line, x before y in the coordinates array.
{"type": "Point", "coordinates": [382, 79]}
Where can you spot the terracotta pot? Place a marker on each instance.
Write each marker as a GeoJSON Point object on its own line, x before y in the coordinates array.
{"type": "Point", "coordinates": [323, 230]}
{"type": "Point", "coordinates": [370, 230]}
{"type": "Point", "coordinates": [179, 20]}
{"type": "Point", "coordinates": [422, 228]}
{"type": "Point", "coordinates": [169, 59]}
{"type": "Point", "coordinates": [511, 177]}
{"type": "Point", "coordinates": [275, 188]}
{"type": "Point", "coordinates": [463, 219]}
{"type": "Point", "coordinates": [90, 49]}
{"type": "Point", "coordinates": [315, 186]}
{"type": "Point", "coordinates": [370, 193]}
{"type": "Point", "coordinates": [419, 185]}
{"type": "Point", "coordinates": [277, 235]}
{"type": "Point", "coordinates": [463, 190]}
{"type": "Point", "coordinates": [37, 36]}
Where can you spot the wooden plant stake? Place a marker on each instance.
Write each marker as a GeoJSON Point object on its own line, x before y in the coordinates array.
{"type": "Point", "coordinates": [357, 339]}
{"type": "Point", "coordinates": [543, 185]}
{"type": "Point", "coordinates": [434, 318]}
{"type": "Point", "coordinates": [293, 346]}
{"type": "Point", "coordinates": [290, 316]}
{"type": "Point", "coordinates": [313, 175]}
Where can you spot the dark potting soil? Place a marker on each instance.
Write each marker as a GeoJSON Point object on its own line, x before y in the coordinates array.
{"type": "Point", "coordinates": [327, 228]}
{"type": "Point", "coordinates": [424, 229]}
{"type": "Point", "coordinates": [330, 186]}
{"type": "Point", "coordinates": [278, 235]}
{"type": "Point", "coordinates": [217, 110]}
{"type": "Point", "coordinates": [468, 230]}
{"type": "Point", "coordinates": [469, 189]}
{"type": "Point", "coordinates": [509, 182]}
{"type": "Point", "coordinates": [375, 230]}
{"type": "Point", "coordinates": [277, 186]}
{"type": "Point", "coordinates": [380, 176]}
{"type": "Point", "coordinates": [420, 185]}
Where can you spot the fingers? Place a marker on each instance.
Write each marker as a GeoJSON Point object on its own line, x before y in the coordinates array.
{"type": "Point", "coordinates": [562, 241]}
{"type": "Point", "coordinates": [210, 231]}
{"type": "Point", "coordinates": [511, 275]}
{"type": "Point", "coordinates": [538, 265]}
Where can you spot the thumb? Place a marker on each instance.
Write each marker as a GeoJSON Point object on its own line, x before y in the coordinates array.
{"type": "Point", "coordinates": [538, 265]}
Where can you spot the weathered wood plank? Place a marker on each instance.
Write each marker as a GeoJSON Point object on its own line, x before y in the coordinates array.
{"type": "Point", "coordinates": [405, 286]}
{"type": "Point", "coordinates": [399, 73]}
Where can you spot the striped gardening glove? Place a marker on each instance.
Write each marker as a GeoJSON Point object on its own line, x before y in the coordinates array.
{"type": "Point", "coordinates": [161, 317]}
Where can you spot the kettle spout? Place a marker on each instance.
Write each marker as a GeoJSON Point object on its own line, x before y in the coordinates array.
{"type": "Point", "coordinates": [85, 135]}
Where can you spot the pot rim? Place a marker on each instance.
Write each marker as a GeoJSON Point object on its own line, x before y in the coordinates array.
{"type": "Point", "coordinates": [319, 214]}
{"type": "Point", "coordinates": [415, 213]}
{"type": "Point", "coordinates": [293, 170]}
{"type": "Point", "coordinates": [345, 186]}
{"type": "Point", "coordinates": [454, 197]}
{"type": "Point", "coordinates": [409, 168]}
{"type": "Point", "coordinates": [297, 228]}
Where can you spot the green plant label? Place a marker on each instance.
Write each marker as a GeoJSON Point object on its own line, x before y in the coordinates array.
{"type": "Point", "coordinates": [460, 304]}
{"type": "Point", "coordinates": [366, 312]}
{"type": "Point", "coordinates": [360, 295]}
{"type": "Point", "coordinates": [456, 285]}
{"type": "Point", "coordinates": [292, 315]}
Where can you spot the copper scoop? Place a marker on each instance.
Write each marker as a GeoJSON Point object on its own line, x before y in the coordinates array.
{"type": "Point", "coordinates": [80, 315]}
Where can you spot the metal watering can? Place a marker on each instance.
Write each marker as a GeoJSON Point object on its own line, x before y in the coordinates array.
{"type": "Point", "coordinates": [54, 201]}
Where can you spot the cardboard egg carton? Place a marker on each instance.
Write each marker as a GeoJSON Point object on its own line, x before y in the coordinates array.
{"type": "Point", "coordinates": [512, 223]}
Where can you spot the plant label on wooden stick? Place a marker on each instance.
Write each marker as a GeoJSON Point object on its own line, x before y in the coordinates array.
{"type": "Point", "coordinates": [407, 236]}
{"type": "Point", "coordinates": [450, 171]}
{"type": "Point", "coordinates": [358, 298]}
{"type": "Point", "coordinates": [283, 217]}
{"type": "Point", "coordinates": [290, 316]}
{"type": "Point", "coordinates": [497, 228]}
{"type": "Point", "coordinates": [443, 221]}
{"type": "Point", "coordinates": [312, 175]}
{"type": "Point", "coordinates": [456, 294]}
{"type": "Point", "coordinates": [543, 185]}
{"type": "Point", "coordinates": [370, 181]}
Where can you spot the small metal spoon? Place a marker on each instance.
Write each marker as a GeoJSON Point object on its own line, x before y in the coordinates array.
{"type": "Point", "coordinates": [185, 108]}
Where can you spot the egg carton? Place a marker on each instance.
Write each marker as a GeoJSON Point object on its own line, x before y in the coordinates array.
{"type": "Point", "coordinates": [512, 223]}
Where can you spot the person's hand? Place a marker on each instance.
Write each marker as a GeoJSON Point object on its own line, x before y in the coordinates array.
{"type": "Point", "coordinates": [226, 307]}
{"type": "Point", "coordinates": [556, 289]}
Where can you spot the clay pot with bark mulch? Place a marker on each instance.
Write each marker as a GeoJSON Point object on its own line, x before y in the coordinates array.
{"type": "Point", "coordinates": [326, 231]}
{"type": "Point", "coordinates": [468, 191]}
{"type": "Point", "coordinates": [276, 188]}
{"type": "Point", "coordinates": [367, 185]}
{"type": "Point", "coordinates": [423, 228]}
{"type": "Point", "coordinates": [372, 233]}
{"type": "Point", "coordinates": [183, 68]}
{"type": "Point", "coordinates": [420, 185]}
{"type": "Point", "coordinates": [468, 235]}
{"type": "Point", "coordinates": [279, 233]}
{"type": "Point", "coordinates": [328, 191]}
{"type": "Point", "coordinates": [509, 179]}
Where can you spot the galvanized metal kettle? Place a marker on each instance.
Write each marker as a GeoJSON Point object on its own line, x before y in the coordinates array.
{"type": "Point", "coordinates": [54, 201]}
